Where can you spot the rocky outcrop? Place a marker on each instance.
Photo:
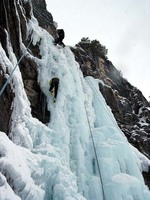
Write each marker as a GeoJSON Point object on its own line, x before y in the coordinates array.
{"type": "Point", "coordinates": [44, 18]}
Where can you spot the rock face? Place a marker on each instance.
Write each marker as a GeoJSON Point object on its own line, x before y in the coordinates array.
{"type": "Point", "coordinates": [130, 108]}
{"type": "Point", "coordinates": [44, 18]}
{"type": "Point", "coordinates": [5, 105]}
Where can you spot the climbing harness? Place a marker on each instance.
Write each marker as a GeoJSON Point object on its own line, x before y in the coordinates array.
{"type": "Point", "coordinates": [10, 76]}
{"type": "Point", "coordinates": [95, 152]}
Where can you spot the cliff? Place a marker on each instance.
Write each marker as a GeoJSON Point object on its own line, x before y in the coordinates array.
{"type": "Point", "coordinates": [130, 108]}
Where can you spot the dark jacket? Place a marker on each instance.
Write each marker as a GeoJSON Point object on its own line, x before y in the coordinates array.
{"type": "Point", "coordinates": [60, 37]}
{"type": "Point", "coordinates": [61, 33]}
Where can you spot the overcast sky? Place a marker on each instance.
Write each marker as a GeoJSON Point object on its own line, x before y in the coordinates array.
{"type": "Point", "coordinates": [123, 26]}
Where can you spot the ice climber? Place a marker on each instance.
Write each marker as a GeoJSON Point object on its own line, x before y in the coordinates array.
{"type": "Point", "coordinates": [60, 37]}
{"type": "Point", "coordinates": [54, 84]}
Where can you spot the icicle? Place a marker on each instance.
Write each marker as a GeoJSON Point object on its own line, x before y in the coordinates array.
{"type": "Point", "coordinates": [94, 166]}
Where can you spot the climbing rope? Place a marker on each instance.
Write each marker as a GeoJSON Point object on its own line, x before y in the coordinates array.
{"type": "Point", "coordinates": [95, 152]}
{"type": "Point", "coordinates": [95, 92]}
{"type": "Point", "coordinates": [96, 156]}
{"type": "Point", "coordinates": [10, 76]}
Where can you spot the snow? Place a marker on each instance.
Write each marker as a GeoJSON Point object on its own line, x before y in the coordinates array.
{"type": "Point", "coordinates": [5, 190]}
{"type": "Point", "coordinates": [57, 160]}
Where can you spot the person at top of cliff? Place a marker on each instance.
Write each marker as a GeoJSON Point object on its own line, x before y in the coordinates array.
{"type": "Point", "coordinates": [59, 38]}
{"type": "Point", "coordinates": [54, 84]}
